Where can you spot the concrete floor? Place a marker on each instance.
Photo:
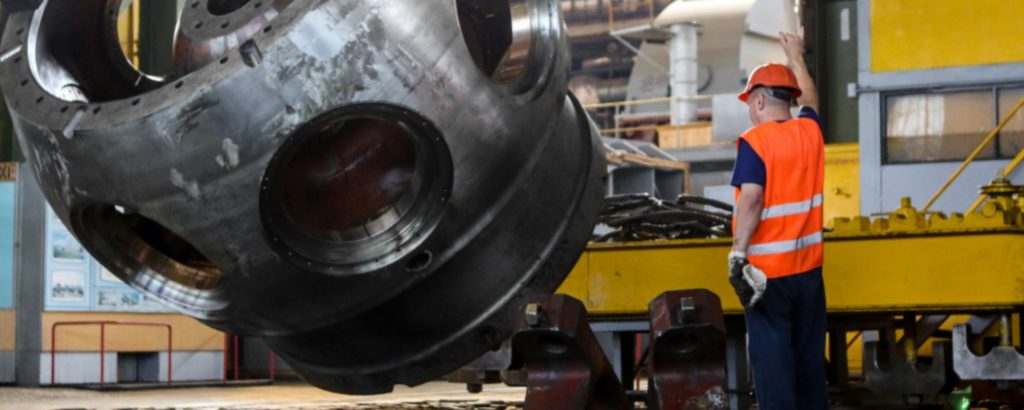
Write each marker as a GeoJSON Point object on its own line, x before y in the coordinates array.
{"type": "Point", "coordinates": [281, 396]}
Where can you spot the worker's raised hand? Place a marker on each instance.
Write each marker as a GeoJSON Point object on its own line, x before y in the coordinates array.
{"type": "Point", "coordinates": [793, 45]}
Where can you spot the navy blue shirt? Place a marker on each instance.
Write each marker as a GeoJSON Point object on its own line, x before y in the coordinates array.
{"type": "Point", "coordinates": [750, 167]}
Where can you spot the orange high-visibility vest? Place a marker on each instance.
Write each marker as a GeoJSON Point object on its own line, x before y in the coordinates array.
{"type": "Point", "coordinates": [788, 240]}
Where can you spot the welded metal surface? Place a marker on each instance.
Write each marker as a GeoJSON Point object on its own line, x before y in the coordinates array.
{"type": "Point", "coordinates": [213, 189]}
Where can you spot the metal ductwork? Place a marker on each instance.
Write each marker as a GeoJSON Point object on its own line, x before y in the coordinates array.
{"type": "Point", "coordinates": [374, 187]}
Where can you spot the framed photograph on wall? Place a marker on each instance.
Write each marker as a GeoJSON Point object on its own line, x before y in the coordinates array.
{"type": "Point", "coordinates": [65, 248]}
{"type": "Point", "coordinates": [108, 299]}
{"type": "Point", "coordinates": [67, 286]}
{"type": "Point", "coordinates": [107, 276]}
{"type": "Point", "coordinates": [69, 279]}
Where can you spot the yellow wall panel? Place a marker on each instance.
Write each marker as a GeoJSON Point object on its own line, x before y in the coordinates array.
{"type": "Point", "coordinates": [189, 334]}
{"type": "Point", "coordinates": [842, 182]}
{"type": "Point", "coordinates": [7, 330]}
{"type": "Point", "coordinates": [924, 34]}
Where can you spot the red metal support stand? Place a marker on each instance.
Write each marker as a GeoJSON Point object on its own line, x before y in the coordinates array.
{"type": "Point", "coordinates": [231, 357]}
{"type": "Point", "coordinates": [103, 344]}
{"type": "Point", "coordinates": [224, 375]}
{"type": "Point", "coordinates": [235, 354]}
{"type": "Point", "coordinates": [564, 364]}
{"type": "Point", "coordinates": [687, 357]}
{"type": "Point", "coordinates": [272, 359]}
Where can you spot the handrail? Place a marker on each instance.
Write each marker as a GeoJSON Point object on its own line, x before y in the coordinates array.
{"type": "Point", "coordinates": [692, 125]}
{"type": "Point", "coordinates": [977, 151]}
{"type": "Point", "coordinates": [648, 101]}
{"type": "Point", "coordinates": [228, 339]}
{"type": "Point", "coordinates": [103, 340]}
{"type": "Point", "coordinates": [612, 8]}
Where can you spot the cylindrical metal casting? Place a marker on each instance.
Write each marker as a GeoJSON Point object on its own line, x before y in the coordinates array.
{"type": "Point", "coordinates": [373, 186]}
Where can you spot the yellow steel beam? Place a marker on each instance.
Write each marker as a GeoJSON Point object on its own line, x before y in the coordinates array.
{"type": "Point", "coordinates": [940, 271]}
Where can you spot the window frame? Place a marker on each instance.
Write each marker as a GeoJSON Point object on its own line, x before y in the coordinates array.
{"type": "Point", "coordinates": [995, 91]}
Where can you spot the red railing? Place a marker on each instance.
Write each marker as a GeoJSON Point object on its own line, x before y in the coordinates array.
{"type": "Point", "coordinates": [231, 343]}
{"type": "Point", "coordinates": [103, 344]}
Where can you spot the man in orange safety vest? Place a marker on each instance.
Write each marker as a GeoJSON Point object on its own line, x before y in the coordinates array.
{"type": "Point", "coordinates": [776, 259]}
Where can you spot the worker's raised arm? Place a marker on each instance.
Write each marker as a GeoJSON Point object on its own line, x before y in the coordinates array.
{"type": "Point", "coordinates": [794, 48]}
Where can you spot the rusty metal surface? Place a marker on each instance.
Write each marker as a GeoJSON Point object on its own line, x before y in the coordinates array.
{"type": "Point", "coordinates": [564, 364]}
{"type": "Point", "coordinates": [688, 353]}
{"type": "Point", "coordinates": [337, 176]}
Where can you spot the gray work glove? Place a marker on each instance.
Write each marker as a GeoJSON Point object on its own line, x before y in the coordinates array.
{"type": "Point", "coordinates": [748, 281]}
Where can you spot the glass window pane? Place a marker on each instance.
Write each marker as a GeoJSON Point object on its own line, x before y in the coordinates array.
{"type": "Point", "coordinates": [939, 127]}
{"type": "Point", "coordinates": [1011, 140]}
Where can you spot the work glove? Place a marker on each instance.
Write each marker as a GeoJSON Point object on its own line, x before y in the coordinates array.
{"type": "Point", "coordinates": [748, 281]}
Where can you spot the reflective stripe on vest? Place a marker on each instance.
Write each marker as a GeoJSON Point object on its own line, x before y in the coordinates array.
{"type": "Point", "coordinates": [785, 246]}
{"type": "Point", "coordinates": [792, 208]}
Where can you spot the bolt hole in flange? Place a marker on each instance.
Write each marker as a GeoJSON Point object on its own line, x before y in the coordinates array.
{"type": "Point", "coordinates": [149, 255]}
{"type": "Point", "coordinates": [498, 34]}
{"type": "Point", "coordinates": [419, 262]}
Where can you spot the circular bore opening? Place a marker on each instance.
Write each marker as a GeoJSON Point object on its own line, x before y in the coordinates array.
{"type": "Point", "coordinates": [92, 52]}
{"type": "Point", "coordinates": [498, 34]}
{"type": "Point", "coordinates": [133, 243]}
{"type": "Point", "coordinates": [357, 189]}
{"type": "Point", "coordinates": [420, 262]}
{"type": "Point", "coordinates": [347, 179]}
{"type": "Point", "coordinates": [224, 7]}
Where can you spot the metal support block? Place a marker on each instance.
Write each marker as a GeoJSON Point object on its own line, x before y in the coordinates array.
{"type": "Point", "coordinates": [688, 359]}
{"type": "Point", "coordinates": [903, 381]}
{"type": "Point", "coordinates": [486, 369]}
{"type": "Point", "coordinates": [1002, 363]}
{"type": "Point", "coordinates": [565, 367]}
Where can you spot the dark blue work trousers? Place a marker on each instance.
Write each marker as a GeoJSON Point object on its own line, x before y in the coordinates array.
{"type": "Point", "coordinates": [787, 344]}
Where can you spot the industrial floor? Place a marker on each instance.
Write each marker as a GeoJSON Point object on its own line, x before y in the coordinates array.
{"type": "Point", "coordinates": [280, 396]}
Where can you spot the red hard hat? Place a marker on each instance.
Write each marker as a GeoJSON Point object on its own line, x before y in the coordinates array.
{"type": "Point", "coordinates": [771, 75]}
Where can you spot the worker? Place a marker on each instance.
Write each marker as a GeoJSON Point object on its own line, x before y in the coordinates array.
{"type": "Point", "coordinates": [776, 259]}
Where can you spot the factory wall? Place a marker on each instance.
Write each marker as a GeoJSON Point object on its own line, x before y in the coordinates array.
{"type": "Point", "coordinates": [926, 34]}
{"type": "Point", "coordinates": [937, 75]}
{"type": "Point", "coordinates": [133, 353]}
{"type": "Point", "coordinates": [78, 289]}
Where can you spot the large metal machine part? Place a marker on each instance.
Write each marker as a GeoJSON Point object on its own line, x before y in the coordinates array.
{"type": "Point", "coordinates": [374, 186]}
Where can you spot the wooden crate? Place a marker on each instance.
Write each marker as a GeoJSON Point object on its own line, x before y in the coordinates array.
{"type": "Point", "coordinates": [683, 136]}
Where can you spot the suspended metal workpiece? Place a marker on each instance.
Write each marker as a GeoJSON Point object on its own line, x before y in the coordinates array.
{"type": "Point", "coordinates": [375, 187]}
